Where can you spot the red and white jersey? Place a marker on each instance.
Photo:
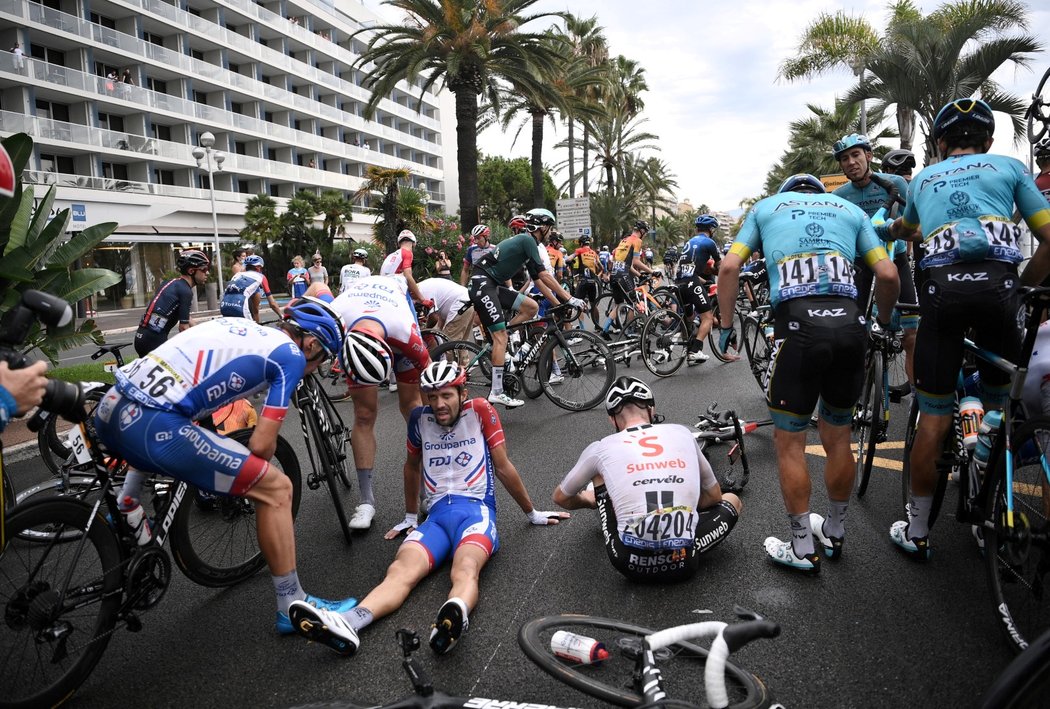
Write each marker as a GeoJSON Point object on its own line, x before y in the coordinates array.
{"type": "Point", "coordinates": [396, 263]}
{"type": "Point", "coordinates": [385, 300]}
{"type": "Point", "coordinates": [654, 475]}
{"type": "Point", "coordinates": [457, 460]}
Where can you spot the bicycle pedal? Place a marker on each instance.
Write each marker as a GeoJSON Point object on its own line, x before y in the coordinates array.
{"type": "Point", "coordinates": [133, 622]}
{"type": "Point", "coordinates": [312, 481]}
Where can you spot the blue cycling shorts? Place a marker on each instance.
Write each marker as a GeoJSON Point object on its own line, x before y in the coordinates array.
{"type": "Point", "coordinates": [452, 522]}
{"type": "Point", "coordinates": [168, 443]}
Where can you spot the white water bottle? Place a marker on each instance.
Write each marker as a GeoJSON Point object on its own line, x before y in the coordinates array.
{"type": "Point", "coordinates": [578, 649]}
{"type": "Point", "coordinates": [989, 427]}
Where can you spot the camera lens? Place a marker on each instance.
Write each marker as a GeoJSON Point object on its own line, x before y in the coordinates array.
{"type": "Point", "coordinates": [65, 399]}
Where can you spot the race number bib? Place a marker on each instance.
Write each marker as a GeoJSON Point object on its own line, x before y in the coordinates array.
{"type": "Point", "coordinates": [996, 239]}
{"type": "Point", "coordinates": [156, 380]}
{"type": "Point", "coordinates": [75, 440]}
{"type": "Point", "coordinates": [666, 528]}
{"type": "Point", "coordinates": [686, 269]}
{"type": "Point", "coordinates": [816, 274]}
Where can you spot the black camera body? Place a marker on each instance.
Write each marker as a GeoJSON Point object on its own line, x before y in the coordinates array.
{"type": "Point", "coordinates": [62, 398]}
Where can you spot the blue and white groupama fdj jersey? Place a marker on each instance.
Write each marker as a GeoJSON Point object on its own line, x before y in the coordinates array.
{"type": "Point", "coordinates": [965, 205]}
{"type": "Point", "coordinates": [871, 198]}
{"type": "Point", "coordinates": [214, 363]}
{"type": "Point", "coordinates": [809, 242]}
{"type": "Point", "coordinates": [456, 459]}
{"type": "Point", "coordinates": [236, 301]}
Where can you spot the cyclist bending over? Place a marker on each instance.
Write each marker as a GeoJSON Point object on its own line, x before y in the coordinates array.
{"type": "Point", "coordinates": [658, 501]}
{"type": "Point", "coordinates": [460, 497]}
{"type": "Point", "coordinates": [148, 418]}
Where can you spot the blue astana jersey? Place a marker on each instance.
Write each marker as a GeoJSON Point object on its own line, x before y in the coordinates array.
{"type": "Point", "coordinates": [809, 242]}
{"type": "Point", "coordinates": [965, 205]}
{"type": "Point", "coordinates": [871, 198]}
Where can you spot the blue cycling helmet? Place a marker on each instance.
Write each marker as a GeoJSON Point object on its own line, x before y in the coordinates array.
{"type": "Point", "coordinates": [254, 261]}
{"type": "Point", "coordinates": [316, 318]}
{"type": "Point", "coordinates": [802, 182]}
{"type": "Point", "coordinates": [971, 112]}
{"type": "Point", "coordinates": [853, 140]}
{"type": "Point", "coordinates": [706, 221]}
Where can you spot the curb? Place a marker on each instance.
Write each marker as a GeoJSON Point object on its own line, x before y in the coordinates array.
{"type": "Point", "coordinates": [21, 452]}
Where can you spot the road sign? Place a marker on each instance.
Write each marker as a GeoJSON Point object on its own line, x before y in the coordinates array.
{"type": "Point", "coordinates": [574, 216]}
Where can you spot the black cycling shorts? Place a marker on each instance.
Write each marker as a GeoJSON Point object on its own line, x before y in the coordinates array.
{"type": "Point", "coordinates": [587, 289]}
{"type": "Point", "coordinates": [692, 291]}
{"type": "Point", "coordinates": [982, 296]}
{"type": "Point", "coordinates": [146, 341]}
{"type": "Point", "coordinates": [622, 285]}
{"type": "Point", "coordinates": [490, 300]}
{"type": "Point", "coordinates": [669, 566]}
{"type": "Point", "coordinates": [818, 353]}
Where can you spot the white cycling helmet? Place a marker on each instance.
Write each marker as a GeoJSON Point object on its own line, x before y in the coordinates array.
{"type": "Point", "coordinates": [406, 235]}
{"type": "Point", "coordinates": [628, 390]}
{"type": "Point", "coordinates": [369, 360]}
{"type": "Point", "coordinates": [480, 231]}
{"type": "Point", "coordinates": [440, 374]}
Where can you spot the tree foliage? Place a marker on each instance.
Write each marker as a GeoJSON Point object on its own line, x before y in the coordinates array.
{"type": "Point", "coordinates": [505, 189]}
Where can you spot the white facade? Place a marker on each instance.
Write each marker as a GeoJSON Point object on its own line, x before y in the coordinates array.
{"type": "Point", "coordinates": [272, 80]}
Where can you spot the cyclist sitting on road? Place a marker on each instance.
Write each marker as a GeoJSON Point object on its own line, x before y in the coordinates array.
{"type": "Point", "coordinates": [971, 251]}
{"type": "Point", "coordinates": [694, 270]}
{"type": "Point", "coordinates": [173, 300]}
{"type": "Point", "coordinates": [626, 264]}
{"type": "Point", "coordinates": [854, 155]}
{"type": "Point", "coordinates": [671, 255]}
{"type": "Point", "coordinates": [490, 297]}
{"type": "Point", "coordinates": [148, 418]}
{"type": "Point", "coordinates": [659, 503]}
{"type": "Point", "coordinates": [811, 240]}
{"type": "Point", "coordinates": [398, 264]}
{"type": "Point", "coordinates": [382, 338]}
{"type": "Point", "coordinates": [452, 308]}
{"type": "Point", "coordinates": [354, 270]}
{"type": "Point", "coordinates": [245, 290]}
{"type": "Point", "coordinates": [589, 269]}
{"type": "Point", "coordinates": [479, 246]}
{"type": "Point", "coordinates": [460, 498]}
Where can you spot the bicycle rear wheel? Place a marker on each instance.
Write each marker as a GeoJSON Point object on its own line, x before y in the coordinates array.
{"type": "Point", "coordinates": [587, 366]}
{"type": "Point", "coordinates": [333, 380]}
{"type": "Point", "coordinates": [757, 347]}
{"type": "Point", "coordinates": [681, 665]}
{"type": "Point", "coordinates": [1018, 555]}
{"type": "Point", "coordinates": [213, 538]}
{"type": "Point", "coordinates": [665, 342]}
{"type": "Point", "coordinates": [868, 420]}
{"type": "Point", "coordinates": [60, 601]}
{"type": "Point", "coordinates": [471, 357]}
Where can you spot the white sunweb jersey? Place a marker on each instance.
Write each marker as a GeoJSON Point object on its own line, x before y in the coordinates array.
{"type": "Point", "coordinates": [654, 475]}
{"type": "Point", "coordinates": [211, 364]}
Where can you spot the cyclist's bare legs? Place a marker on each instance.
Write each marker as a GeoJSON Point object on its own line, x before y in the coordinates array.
{"type": "Point", "coordinates": [840, 468]}
{"type": "Point", "coordinates": [707, 321]}
{"type": "Point", "coordinates": [499, 347]}
{"type": "Point", "coordinates": [408, 398]}
{"type": "Point", "coordinates": [467, 562]}
{"type": "Point", "coordinates": [929, 437]}
{"type": "Point", "coordinates": [272, 496]}
{"type": "Point", "coordinates": [410, 566]}
{"type": "Point", "coordinates": [795, 485]}
{"type": "Point", "coordinates": [527, 311]}
{"type": "Point", "coordinates": [362, 434]}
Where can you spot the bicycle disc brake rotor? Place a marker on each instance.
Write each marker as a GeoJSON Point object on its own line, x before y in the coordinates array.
{"type": "Point", "coordinates": [511, 384]}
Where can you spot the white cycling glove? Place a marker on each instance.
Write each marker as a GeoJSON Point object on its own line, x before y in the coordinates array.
{"type": "Point", "coordinates": [411, 521]}
{"type": "Point", "coordinates": [577, 303]}
{"type": "Point", "coordinates": [542, 518]}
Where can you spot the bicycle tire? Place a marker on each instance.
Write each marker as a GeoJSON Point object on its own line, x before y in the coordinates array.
{"type": "Point", "coordinates": [339, 438]}
{"type": "Point", "coordinates": [470, 356]}
{"type": "Point", "coordinates": [327, 459]}
{"type": "Point", "coordinates": [75, 487]}
{"type": "Point", "coordinates": [666, 297]}
{"type": "Point", "coordinates": [869, 406]}
{"type": "Point", "coordinates": [334, 384]}
{"type": "Point", "coordinates": [213, 538]}
{"type": "Point", "coordinates": [757, 348]}
{"type": "Point", "coordinates": [1025, 683]}
{"type": "Point", "coordinates": [1036, 112]}
{"type": "Point", "coordinates": [665, 342]}
{"type": "Point", "coordinates": [38, 669]}
{"type": "Point", "coordinates": [942, 480]}
{"type": "Point", "coordinates": [589, 372]}
{"type": "Point", "coordinates": [53, 450]}
{"type": "Point", "coordinates": [713, 337]}
{"type": "Point", "coordinates": [606, 307]}
{"type": "Point", "coordinates": [1018, 560]}
{"type": "Point", "coordinates": [432, 338]}
{"type": "Point", "coordinates": [611, 680]}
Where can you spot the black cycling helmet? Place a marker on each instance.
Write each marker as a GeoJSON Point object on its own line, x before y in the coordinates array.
{"type": "Point", "coordinates": [802, 183]}
{"type": "Point", "coordinates": [1042, 149]}
{"type": "Point", "coordinates": [628, 390]}
{"type": "Point", "coordinates": [585, 240]}
{"type": "Point", "coordinates": [642, 226]}
{"type": "Point", "coordinates": [971, 114]}
{"type": "Point", "coordinates": [898, 162]}
{"type": "Point", "coordinates": [193, 258]}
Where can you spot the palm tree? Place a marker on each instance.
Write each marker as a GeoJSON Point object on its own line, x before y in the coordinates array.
{"type": "Point", "coordinates": [466, 45]}
{"type": "Point", "coordinates": [261, 225]}
{"type": "Point", "coordinates": [337, 211]}
{"type": "Point", "coordinates": [587, 45]}
{"type": "Point", "coordinates": [387, 182]}
{"type": "Point", "coordinates": [658, 181]}
{"type": "Point", "coordinates": [950, 53]}
{"type": "Point", "coordinates": [628, 83]}
{"type": "Point", "coordinates": [616, 137]}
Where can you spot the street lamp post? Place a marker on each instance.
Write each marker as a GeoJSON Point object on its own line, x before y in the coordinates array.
{"type": "Point", "coordinates": [204, 153]}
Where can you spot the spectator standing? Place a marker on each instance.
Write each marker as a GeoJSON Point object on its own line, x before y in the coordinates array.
{"type": "Point", "coordinates": [20, 57]}
{"type": "Point", "coordinates": [238, 262]}
{"type": "Point", "coordinates": [443, 266]}
{"type": "Point", "coordinates": [353, 270]}
{"type": "Point", "coordinates": [318, 273]}
{"type": "Point", "coordinates": [297, 277]}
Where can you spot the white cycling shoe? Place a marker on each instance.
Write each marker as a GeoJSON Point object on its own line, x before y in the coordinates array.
{"type": "Point", "coordinates": [363, 516]}
{"type": "Point", "coordinates": [505, 400]}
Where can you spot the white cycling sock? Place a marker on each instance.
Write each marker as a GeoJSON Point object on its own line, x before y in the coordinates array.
{"type": "Point", "coordinates": [132, 490]}
{"type": "Point", "coordinates": [364, 483]}
{"type": "Point", "coordinates": [801, 534]}
{"type": "Point", "coordinates": [919, 516]}
{"type": "Point", "coordinates": [287, 589]}
{"type": "Point", "coordinates": [358, 617]}
{"type": "Point", "coordinates": [497, 380]}
{"type": "Point", "coordinates": [835, 524]}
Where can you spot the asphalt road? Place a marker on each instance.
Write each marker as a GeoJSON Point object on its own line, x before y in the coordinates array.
{"type": "Point", "coordinates": [873, 630]}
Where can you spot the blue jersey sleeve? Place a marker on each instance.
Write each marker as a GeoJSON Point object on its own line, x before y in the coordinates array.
{"type": "Point", "coordinates": [415, 438]}
{"type": "Point", "coordinates": [1031, 203]}
{"type": "Point", "coordinates": [748, 238]}
{"type": "Point", "coordinates": [284, 370]}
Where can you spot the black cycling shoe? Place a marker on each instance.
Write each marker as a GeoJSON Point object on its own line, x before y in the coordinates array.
{"type": "Point", "coordinates": [449, 627]}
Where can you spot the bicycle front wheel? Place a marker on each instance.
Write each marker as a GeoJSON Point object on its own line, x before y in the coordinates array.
{"type": "Point", "coordinates": [60, 601]}
{"type": "Point", "coordinates": [472, 358]}
{"type": "Point", "coordinates": [868, 421]}
{"type": "Point", "coordinates": [612, 681]}
{"type": "Point", "coordinates": [586, 365]}
{"type": "Point", "coordinates": [1017, 546]}
{"type": "Point", "coordinates": [213, 538]}
{"type": "Point", "coordinates": [758, 348]}
{"type": "Point", "coordinates": [665, 342]}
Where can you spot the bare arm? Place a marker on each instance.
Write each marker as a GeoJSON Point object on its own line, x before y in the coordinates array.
{"type": "Point", "coordinates": [581, 500]}
{"type": "Point", "coordinates": [728, 286]}
{"type": "Point", "coordinates": [1039, 266]}
{"type": "Point", "coordinates": [887, 285]}
{"type": "Point", "coordinates": [274, 306]}
{"type": "Point", "coordinates": [413, 289]}
{"type": "Point", "coordinates": [263, 442]}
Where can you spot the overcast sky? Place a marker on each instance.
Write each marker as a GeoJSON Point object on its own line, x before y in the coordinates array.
{"type": "Point", "coordinates": [713, 99]}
